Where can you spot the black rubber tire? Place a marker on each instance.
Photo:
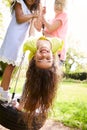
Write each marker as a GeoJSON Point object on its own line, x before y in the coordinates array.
{"type": "Point", "coordinates": [12, 119]}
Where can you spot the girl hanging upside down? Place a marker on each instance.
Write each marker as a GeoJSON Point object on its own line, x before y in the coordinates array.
{"type": "Point", "coordinates": [42, 77]}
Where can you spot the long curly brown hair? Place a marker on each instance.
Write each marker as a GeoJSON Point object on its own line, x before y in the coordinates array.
{"type": "Point", "coordinates": [40, 89]}
{"type": "Point", "coordinates": [35, 6]}
{"type": "Point", "coordinates": [32, 8]}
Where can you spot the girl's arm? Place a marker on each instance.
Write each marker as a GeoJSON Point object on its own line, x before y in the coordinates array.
{"type": "Point", "coordinates": [52, 27]}
{"type": "Point", "coordinates": [20, 16]}
{"type": "Point", "coordinates": [38, 21]}
{"type": "Point", "coordinates": [38, 24]}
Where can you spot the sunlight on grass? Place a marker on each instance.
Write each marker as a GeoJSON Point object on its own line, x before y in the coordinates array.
{"type": "Point", "coordinates": [74, 91]}
{"type": "Point", "coordinates": [70, 105]}
{"type": "Point", "coordinates": [72, 114]}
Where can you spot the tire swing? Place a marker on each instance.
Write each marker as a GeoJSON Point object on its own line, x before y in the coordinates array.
{"type": "Point", "coordinates": [10, 117]}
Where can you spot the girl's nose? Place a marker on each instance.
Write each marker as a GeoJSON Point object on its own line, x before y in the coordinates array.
{"type": "Point", "coordinates": [44, 54]}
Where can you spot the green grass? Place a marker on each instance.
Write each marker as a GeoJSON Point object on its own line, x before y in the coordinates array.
{"type": "Point", "coordinates": [70, 104]}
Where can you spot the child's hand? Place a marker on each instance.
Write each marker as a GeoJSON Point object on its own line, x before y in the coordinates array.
{"type": "Point", "coordinates": [44, 11]}
{"type": "Point", "coordinates": [16, 105]}
{"type": "Point", "coordinates": [34, 15]}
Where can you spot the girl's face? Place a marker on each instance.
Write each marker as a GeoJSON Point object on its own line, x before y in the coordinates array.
{"type": "Point", "coordinates": [29, 2]}
{"type": "Point", "coordinates": [44, 56]}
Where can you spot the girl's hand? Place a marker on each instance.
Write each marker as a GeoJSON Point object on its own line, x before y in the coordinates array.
{"type": "Point", "coordinates": [17, 105]}
{"type": "Point", "coordinates": [34, 15]}
{"type": "Point", "coordinates": [44, 11]}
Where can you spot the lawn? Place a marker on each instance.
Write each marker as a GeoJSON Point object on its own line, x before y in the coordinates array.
{"type": "Point", "coordinates": [70, 104]}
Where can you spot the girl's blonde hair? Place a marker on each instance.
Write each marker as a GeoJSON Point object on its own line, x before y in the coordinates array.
{"type": "Point", "coordinates": [60, 4]}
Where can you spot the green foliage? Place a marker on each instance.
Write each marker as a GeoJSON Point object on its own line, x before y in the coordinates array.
{"type": "Point", "coordinates": [72, 114]}
{"type": "Point", "coordinates": [2, 67]}
{"type": "Point", "coordinates": [70, 105]}
{"type": "Point", "coordinates": [75, 61]}
{"type": "Point", "coordinates": [7, 2]}
{"type": "Point", "coordinates": [0, 18]}
{"type": "Point", "coordinates": [77, 76]}
{"type": "Point", "coordinates": [1, 25]}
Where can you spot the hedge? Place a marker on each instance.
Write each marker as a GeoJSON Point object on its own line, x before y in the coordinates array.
{"type": "Point", "coordinates": [78, 76]}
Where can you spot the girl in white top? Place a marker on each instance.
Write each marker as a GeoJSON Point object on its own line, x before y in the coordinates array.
{"type": "Point", "coordinates": [11, 49]}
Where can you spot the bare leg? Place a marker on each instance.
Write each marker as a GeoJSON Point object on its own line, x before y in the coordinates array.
{"type": "Point", "coordinates": [7, 77]}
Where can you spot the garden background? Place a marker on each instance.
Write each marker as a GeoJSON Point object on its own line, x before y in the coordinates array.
{"type": "Point", "coordinates": [70, 104]}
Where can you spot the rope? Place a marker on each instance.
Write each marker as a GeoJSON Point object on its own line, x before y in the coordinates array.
{"type": "Point", "coordinates": [43, 29]}
{"type": "Point", "coordinates": [13, 94]}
